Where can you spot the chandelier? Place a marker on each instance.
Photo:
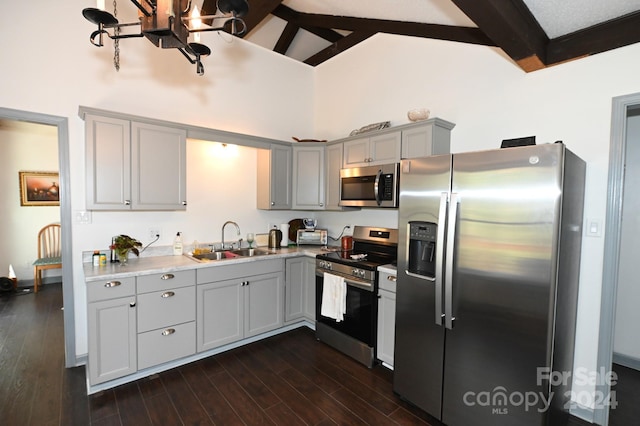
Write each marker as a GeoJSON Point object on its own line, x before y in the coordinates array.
{"type": "Point", "coordinates": [167, 24]}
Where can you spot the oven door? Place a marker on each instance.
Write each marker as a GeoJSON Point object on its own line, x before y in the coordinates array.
{"type": "Point", "coordinates": [361, 312]}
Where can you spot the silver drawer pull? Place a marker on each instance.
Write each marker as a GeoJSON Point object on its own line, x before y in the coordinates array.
{"type": "Point", "coordinates": [168, 331]}
{"type": "Point", "coordinates": [112, 284]}
{"type": "Point", "coordinates": [392, 278]}
{"type": "Point", "coordinates": [167, 294]}
{"type": "Point", "coordinates": [167, 277]}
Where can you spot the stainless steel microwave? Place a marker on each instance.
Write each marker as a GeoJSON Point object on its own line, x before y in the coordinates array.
{"type": "Point", "coordinates": [371, 186]}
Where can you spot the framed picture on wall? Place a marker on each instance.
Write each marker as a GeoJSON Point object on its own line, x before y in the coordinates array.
{"type": "Point", "coordinates": [39, 188]}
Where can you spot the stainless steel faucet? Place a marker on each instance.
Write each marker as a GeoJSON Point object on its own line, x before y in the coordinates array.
{"type": "Point", "coordinates": [229, 222]}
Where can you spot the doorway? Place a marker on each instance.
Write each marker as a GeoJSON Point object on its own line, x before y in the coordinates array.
{"type": "Point", "coordinates": [623, 108]}
{"type": "Point", "coordinates": [62, 125]}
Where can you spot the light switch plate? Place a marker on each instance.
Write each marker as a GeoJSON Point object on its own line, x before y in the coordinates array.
{"type": "Point", "coordinates": [593, 227]}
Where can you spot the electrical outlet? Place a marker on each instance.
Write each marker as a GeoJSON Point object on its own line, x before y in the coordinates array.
{"type": "Point", "coordinates": [154, 233]}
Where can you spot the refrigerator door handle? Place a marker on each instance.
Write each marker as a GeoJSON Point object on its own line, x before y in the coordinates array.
{"type": "Point", "coordinates": [440, 243]}
{"type": "Point", "coordinates": [448, 275]}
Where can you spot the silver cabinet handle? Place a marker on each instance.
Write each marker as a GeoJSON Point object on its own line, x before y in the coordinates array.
{"type": "Point", "coordinates": [184, 203]}
{"type": "Point", "coordinates": [168, 331]}
{"type": "Point", "coordinates": [167, 294]}
{"type": "Point", "coordinates": [132, 304]}
{"type": "Point", "coordinates": [127, 202]}
{"type": "Point", "coordinates": [273, 203]}
{"type": "Point", "coordinates": [392, 278]}
{"type": "Point", "coordinates": [167, 277]}
{"type": "Point", "coordinates": [112, 284]}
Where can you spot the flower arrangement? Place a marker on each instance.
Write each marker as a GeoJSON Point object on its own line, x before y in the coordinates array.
{"type": "Point", "coordinates": [122, 244]}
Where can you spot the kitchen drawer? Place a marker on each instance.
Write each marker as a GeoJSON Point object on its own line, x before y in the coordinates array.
{"type": "Point", "coordinates": [163, 308]}
{"type": "Point", "coordinates": [166, 281]}
{"type": "Point", "coordinates": [111, 289]}
{"type": "Point", "coordinates": [166, 344]}
{"type": "Point", "coordinates": [387, 280]}
{"type": "Point", "coordinates": [230, 272]}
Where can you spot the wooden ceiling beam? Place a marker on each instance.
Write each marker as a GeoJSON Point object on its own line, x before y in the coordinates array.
{"type": "Point", "coordinates": [600, 38]}
{"type": "Point", "coordinates": [338, 47]}
{"type": "Point", "coordinates": [290, 15]}
{"type": "Point", "coordinates": [286, 38]}
{"type": "Point", "coordinates": [512, 27]}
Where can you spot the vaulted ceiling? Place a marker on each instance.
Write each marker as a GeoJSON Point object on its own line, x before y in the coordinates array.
{"type": "Point", "coordinates": [534, 33]}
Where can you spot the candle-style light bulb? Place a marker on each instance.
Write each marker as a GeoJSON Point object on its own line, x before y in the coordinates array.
{"type": "Point", "coordinates": [196, 23]}
{"type": "Point", "coordinates": [100, 4]}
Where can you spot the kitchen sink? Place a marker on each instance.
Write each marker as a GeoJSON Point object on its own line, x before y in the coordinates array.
{"type": "Point", "coordinates": [229, 254]}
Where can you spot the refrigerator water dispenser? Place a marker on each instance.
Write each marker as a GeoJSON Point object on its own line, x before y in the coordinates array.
{"type": "Point", "coordinates": [422, 248]}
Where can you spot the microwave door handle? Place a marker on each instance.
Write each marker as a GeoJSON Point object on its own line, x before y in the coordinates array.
{"type": "Point", "coordinates": [376, 187]}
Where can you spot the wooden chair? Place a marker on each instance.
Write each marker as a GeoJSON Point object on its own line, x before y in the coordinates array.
{"type": "Point", "coordinates": [49, 253]}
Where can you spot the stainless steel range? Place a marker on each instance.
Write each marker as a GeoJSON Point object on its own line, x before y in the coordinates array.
{"type": "Point", "coordinates": [354, 332]}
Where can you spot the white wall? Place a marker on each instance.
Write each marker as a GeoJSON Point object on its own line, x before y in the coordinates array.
{"type": "Point", "coordinates": [49, 66]}
{"type": "Point", "coordinates": [490, 99]}
{"type": "Point", "coordinates": [627, 339]}
{"type": "Point", "coordinates": [24, 147]}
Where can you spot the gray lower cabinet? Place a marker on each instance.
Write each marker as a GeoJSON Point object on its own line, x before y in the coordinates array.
{"type": "Point", "coordinates": [231, 308]}
{"type": "Point", "coordinates": [386, 316]}
{"type": "Point", "coordinates": [300, 294]}
{"type": "Point", "coordinates": [112, 329]}
{"type": "Point", "coordinates": [166, 317]}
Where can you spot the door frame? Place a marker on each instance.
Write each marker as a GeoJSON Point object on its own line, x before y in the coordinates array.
{"type": "Point", "coordinates": [62, 125]}
{"type": "Point", "coordinates": [613, 230]}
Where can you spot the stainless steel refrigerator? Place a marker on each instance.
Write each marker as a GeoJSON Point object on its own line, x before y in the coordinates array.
{"type": "Point", "coordinates": [488, 268]}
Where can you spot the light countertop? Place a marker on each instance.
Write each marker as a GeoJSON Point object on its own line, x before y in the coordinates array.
{"type": "Point", "coordinates": [162, 264]}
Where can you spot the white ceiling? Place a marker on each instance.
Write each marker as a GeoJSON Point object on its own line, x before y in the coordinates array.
{"type": "Point", "coordinates": [556, 17]}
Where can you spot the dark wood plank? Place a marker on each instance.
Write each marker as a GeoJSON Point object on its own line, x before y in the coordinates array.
{"type": "Point", "coordinates": [283, 415]}
{"type": "Point", "coordinates": [253, 386]}
{"type": "Point", "coordinates": [336, 411]}
{"type": "Point", "coordinates": [216, 406]}
{"type": "Point", "coordinates": [102, 404]}
{"type": "Point", "coordinates": [133, 411]}
{"type": "Point", "coordinates": [303, 407]}
{"type": "Point", "coordinates": [241, 402]}
{"type": "Point", "coordinates": [189, 408]}
{"type": "Point", "coordinates": [161, 410]}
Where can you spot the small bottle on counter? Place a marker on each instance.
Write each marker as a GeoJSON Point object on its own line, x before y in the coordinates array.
{"type": "Point", "coordinates": [103, 259]}
{"type": "Point", "coordinates": [177, 245]}
{"type": "Point", "coordinates": [95, 259]}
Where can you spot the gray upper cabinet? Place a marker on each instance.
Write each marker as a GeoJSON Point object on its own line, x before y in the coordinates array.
{"type": "Point", "coordinates": [432, 137]}
{"type": "Point", "coordinates": [308, 177]}
{"type": "Point", "coordinates": [274, 178]}
{"type": "Point", "coordinates": [134, 166]}
{"type": "Point", "coordinates": [368, 151]}
{"type": "Point", "coordinates": [333, 164]}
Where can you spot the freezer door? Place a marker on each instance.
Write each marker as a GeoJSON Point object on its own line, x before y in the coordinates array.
{"type": "Point", "coordinates": [503, 279]}
{"type": "Point", "coordinates": [419, 335]}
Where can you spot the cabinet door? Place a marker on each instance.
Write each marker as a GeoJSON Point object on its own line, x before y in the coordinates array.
{"type": "Point", "coordinates": [385, 148]}
{"type": "Point", "coordinates": [263, 304]}
{"type": "Point", "coordinates": [416, 142]}
{"type": "Point", "coordinates": [333, 164]}
{"type": "Point", "coordinates": [108, 163]}
{"type": "Point", "coordinates": [220, 314]}
{"type": "Point", "coordinates": [356, 153]}
{"type": "Point", "coordinates": [274, 178]}
{"type": "Point", "coordinates": [294, 290]}
{"type": "Point", "coordinates": [309, 283]}
{"type": "Point", "coordinates": [308, 178]}
{"type": "Point", "coordinates": [386, 325]}
{"type": "Point", "coordinates": [112, 339]}
{"type": "Point", "coordinates": [159, 165]}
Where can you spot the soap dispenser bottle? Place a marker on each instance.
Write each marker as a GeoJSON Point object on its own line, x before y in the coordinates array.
{"type": "Point", "coordinates": [177, 245]}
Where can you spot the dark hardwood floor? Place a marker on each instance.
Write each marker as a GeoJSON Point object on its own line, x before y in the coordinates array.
{"type": "Point", "coordinates": [288, 379]}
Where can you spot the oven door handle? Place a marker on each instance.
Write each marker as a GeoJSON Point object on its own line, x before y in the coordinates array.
{"type": "Point", "coordinates": [376, 187]}
{"type": "Point", "coordinates": [359, 284]}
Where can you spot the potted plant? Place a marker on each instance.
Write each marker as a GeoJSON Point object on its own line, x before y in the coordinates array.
{"type": "Point", "coordinates": [123, 244]}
